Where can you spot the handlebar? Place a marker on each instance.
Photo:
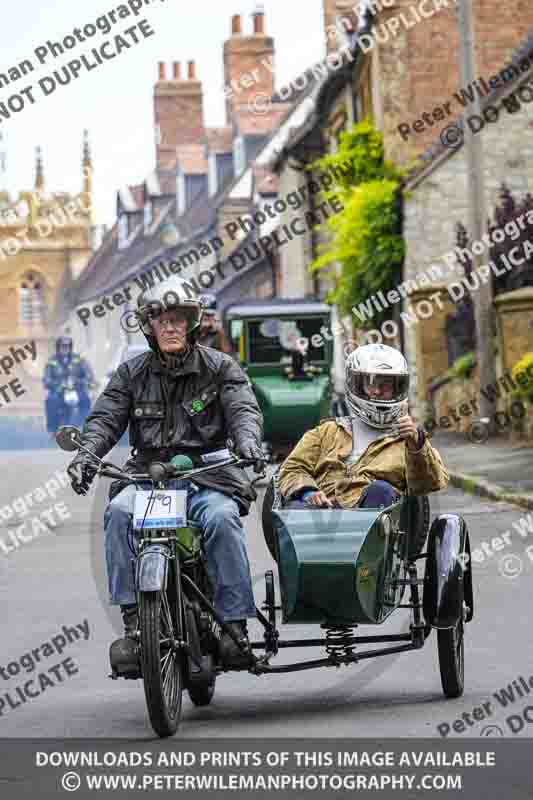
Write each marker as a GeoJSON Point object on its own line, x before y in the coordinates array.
{"type": "Point", "coordinates": [159, 472]}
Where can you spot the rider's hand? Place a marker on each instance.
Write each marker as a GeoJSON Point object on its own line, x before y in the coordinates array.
{"type": "Point", "coordinates": [82, 473]}
{"type": "Point", "coordinates": [409, 431]}
{"type": "Point", "coordinates": [249, 450]}
{"type": "Point", "coordinates": [318, 499]}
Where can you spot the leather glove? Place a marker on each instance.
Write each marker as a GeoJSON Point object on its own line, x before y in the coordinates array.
{"type": "Point", "coordinates": [249, 450]}
{"type": "Point", "coordinates": [82, 472]}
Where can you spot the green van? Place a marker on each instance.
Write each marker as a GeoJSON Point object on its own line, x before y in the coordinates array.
{"type": "Point", "coordinates": [286, 348]}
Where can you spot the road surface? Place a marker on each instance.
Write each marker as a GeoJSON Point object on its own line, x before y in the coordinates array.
{"type": "Point", "coordinates": [57, 579]}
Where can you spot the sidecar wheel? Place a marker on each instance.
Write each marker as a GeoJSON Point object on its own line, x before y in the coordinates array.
{"type": "Point", "coordinates": [417, 522]}
{"type": "Point", "coordinates": [266, 519]}
{"type": "Point", "coordinates": [450, 644]}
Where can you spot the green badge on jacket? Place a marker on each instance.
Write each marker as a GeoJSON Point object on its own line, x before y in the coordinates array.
{"type": "Point", "coordinates": [197, 406]}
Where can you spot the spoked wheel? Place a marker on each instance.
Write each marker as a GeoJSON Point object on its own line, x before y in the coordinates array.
{"type": "Point", "coordinates": [451, 659]}
{"type": "Point", "coordinates": [270, 597]}
{"type": "Point", "coordinates": [161, 661]}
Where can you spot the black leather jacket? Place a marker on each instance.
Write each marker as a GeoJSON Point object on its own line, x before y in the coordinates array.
{"type": "Point", "coordinates": [192, 411]}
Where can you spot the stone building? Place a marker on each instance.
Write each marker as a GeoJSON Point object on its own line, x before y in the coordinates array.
{"type": "Point", "coordinates": [45, 243]}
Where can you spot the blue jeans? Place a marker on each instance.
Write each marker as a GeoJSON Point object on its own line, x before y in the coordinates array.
{"type": "Point", "coordinates": [376, 494]}
{"type": "Point", "coordinates": [223, 541]}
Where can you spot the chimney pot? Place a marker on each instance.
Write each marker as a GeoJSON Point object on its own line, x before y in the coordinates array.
{"type": "Point", "coordinates": [192, 71]}
{"type": "Point", "coordinates": [236, 25]}
{"type": "Point", "coordinates": [162, 71]}
{"type": "Point", "coordinates": [177, 71]}
{"type": "Point", "coordinates": [259, 21]}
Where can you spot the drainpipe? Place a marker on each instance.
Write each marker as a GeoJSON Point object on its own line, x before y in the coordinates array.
{"type": "Point", "coordinates": [314, 241]}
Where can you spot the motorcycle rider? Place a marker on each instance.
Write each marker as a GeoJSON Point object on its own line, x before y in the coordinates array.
{"type": "Point", "coordinates": [371, 456]}
{"type": "Point", "coordinates": [59, 369]}
{"type": "Point", "coordinates": [179, 398]}
{"type": "Point", "coordinates": [211, 333]}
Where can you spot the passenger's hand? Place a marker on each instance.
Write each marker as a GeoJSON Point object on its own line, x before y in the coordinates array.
{"type": "Point", "coordinates": [318, 499]}
{"type": "Point", "coordinates": [408, 431]}
{"type": "Point", "coordinates": [81, 474]}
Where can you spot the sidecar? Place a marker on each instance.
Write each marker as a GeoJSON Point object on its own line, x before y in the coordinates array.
{"type": "Point", "coordinates": [348, 567]}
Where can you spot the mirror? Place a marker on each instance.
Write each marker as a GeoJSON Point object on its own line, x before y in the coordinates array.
{"type": "Point", "coordinates": [68, 438]}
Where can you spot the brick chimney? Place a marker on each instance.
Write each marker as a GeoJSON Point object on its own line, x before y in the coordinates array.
{"type": "Point", "coordinates": [338, 9]}
{"type": "Point", "coordinates": [248, 63]}
{"type": "Point", "coordinates": [178, 112]}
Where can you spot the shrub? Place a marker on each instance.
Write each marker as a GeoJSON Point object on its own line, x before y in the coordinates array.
{"type": "Point", "coordinates": [366, 238]}
{"type": "Point", "coordinates": [463, 367]}
{"type": "Point", "coordinates": [524, 369]}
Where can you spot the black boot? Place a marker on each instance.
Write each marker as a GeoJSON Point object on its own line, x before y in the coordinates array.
{"type": "Point", "coordinates": [231, 655]}
{"type": "Point", "coordinates": [124, 653]}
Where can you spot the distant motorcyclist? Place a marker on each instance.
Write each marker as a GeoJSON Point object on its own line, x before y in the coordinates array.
{"type": "Point", "coordinates": [211, 333]}
{"type": "Point", "coordinates": [64, 369]}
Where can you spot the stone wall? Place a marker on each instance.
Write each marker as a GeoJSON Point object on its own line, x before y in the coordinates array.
{"type": "Point", "coordinates": [296, 255]}
{"type": "Point", "coordinates": [438, 198]}
{"type": "Point", "coordinates": [515, 324]}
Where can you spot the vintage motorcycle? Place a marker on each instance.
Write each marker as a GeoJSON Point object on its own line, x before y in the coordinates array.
{"type": "Point", "coordinates": [71, 401]}
{"type": "Point", "coordinates": [337, 568]}
{"type": "Point", "coordinates": [70, 408]}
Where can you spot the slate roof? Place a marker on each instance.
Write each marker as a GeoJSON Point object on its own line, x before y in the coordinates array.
{"type": "Point", "coordinates": [110, 267]}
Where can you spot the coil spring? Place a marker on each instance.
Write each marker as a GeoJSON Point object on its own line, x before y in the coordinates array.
{"type": "Point", "coordinates": [340, 640]}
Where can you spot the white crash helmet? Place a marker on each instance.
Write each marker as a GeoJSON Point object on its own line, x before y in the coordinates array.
{"type": "Point", "coordinates": [369, 365]}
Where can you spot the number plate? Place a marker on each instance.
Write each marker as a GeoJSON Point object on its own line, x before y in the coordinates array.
{"type": "Point", "coordinates": [160, 509]}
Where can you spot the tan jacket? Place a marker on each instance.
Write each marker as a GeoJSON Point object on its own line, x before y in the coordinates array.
{"type": "Point", "coordinates": [317, 463]}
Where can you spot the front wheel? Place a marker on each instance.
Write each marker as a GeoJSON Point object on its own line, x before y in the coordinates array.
{"type": "Point", "coordinates": [450, 644]}
{"type": "Point", "coordinates": [162, 661]}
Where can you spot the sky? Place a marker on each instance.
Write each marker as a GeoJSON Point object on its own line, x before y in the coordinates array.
{"type": "Point", "coordinates": [115, 101]}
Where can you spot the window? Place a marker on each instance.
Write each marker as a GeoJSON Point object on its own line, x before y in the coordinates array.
{"type": "Point", "coordinates": [239, 155]}
{"type": "Point", "coordinates": [32, 309]}
{"type": "Point", "coordinates": [123, 231]}
{"type": "Point", "coordinates": [272, 341]}
{"type": "Point", "coordinates": [148, 214]}
{"type": "Point", "coordinates": [212, 174]}
{"type": "Point", "coordinates": [236, 338]}
{"type": "Point", "coordinates": [180, 192]}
